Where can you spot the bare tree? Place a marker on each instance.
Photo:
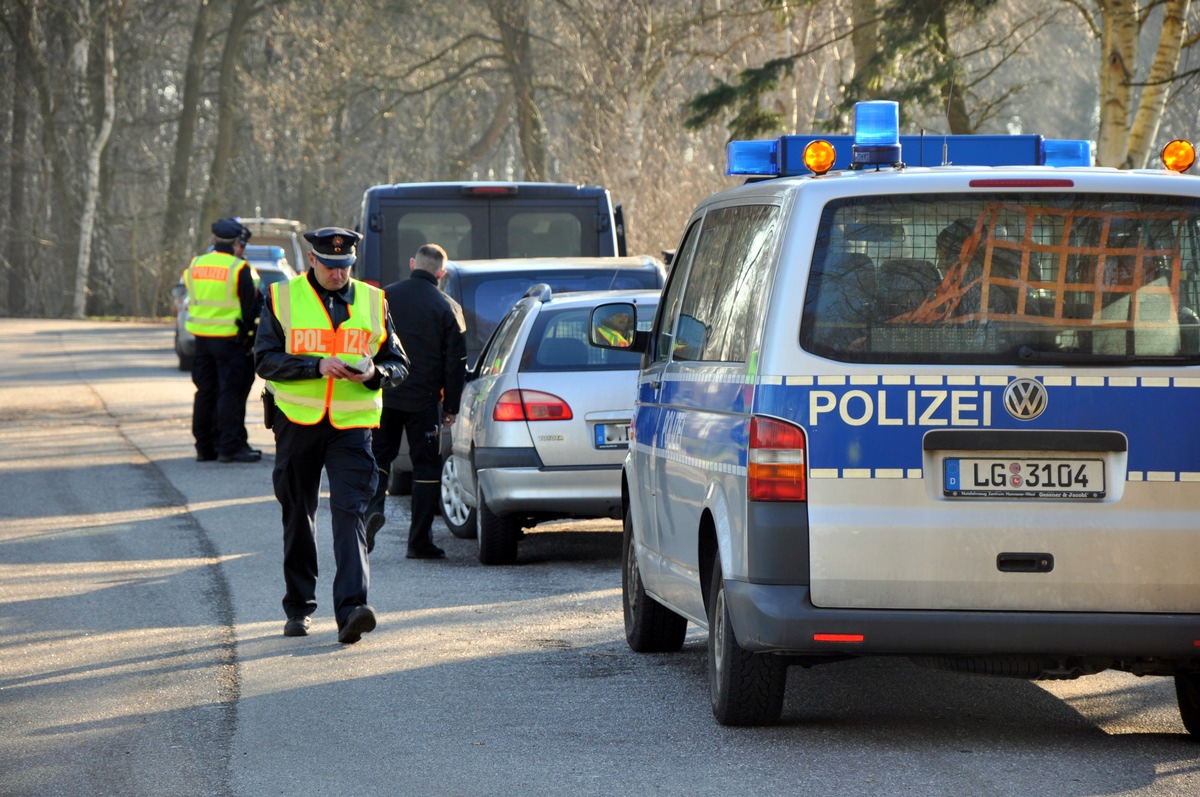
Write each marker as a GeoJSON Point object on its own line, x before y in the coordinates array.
{"type": "Point", "coordinates": [189, 109]}
{"type": "Point", "coordinates": [217, 195]}
{"type": "Point", "coordinates": [91, 187]}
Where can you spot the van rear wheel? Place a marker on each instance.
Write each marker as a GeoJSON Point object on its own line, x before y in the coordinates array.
{"type": "Point", "coordinates": [746, 688]}
{"type": "Point", "coordinates": [498, 534]}
{"type": "Point", "coordinates": [1187, 691]}
{"type": "Point", "coordinates": [650, 627]}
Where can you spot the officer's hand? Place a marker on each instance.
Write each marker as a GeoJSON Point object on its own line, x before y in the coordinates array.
{"type": "Point", "coordinates": [447, 419]}
{"type": "Point", "coordinates": [336, 368]}
{"type": "Point", "coordinates": [365, 375]}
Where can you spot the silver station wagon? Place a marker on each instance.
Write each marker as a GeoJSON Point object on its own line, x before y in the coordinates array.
{"type": "Point", "coordinates": [544, 422]}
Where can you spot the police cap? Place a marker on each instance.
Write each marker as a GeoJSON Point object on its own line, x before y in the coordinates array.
{"type": "Point", "coordinates": [333, 246]}
{"type": "Point", "coordinates": [229, 230]}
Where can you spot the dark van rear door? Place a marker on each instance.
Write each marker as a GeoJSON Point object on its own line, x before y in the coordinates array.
{"type": "Point", "coordinates": [480, 221]}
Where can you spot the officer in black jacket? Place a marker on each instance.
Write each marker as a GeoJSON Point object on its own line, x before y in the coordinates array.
{"type": "Point", "coordinates": [430, 325]}
{"type": "Point", "coordinates": [326, 368]}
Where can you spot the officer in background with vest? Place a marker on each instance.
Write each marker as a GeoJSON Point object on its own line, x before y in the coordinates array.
{"type": "Point", "coordinates": [327, 348]}
{"type": "Point", "coordinates": [223, 303]}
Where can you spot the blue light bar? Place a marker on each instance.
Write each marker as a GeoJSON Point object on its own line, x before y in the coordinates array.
{"type": "Point", "coordinates": [784, 156]}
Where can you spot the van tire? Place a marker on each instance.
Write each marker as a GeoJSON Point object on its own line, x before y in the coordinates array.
{"type": "Point", "coordinates": [459, 518]}
{"type": "Point", "coordinates": [650, 627]}
{"type": "Point", "coordinates": [746, 688]}
{"type": "Point", "coordinates": [498, 534]}
{"type": "Point", "coordinates": [1187, 691]}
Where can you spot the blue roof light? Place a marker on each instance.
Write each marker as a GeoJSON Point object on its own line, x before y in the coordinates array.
{"type": "Point", "coordinates": [877, 123]}
{"type": "Point", "coordinates": [752, 158]}
{"type": "Point", "coordinates": [1066, 152]}
{"type": "Point", "coordinates": [876, 133]}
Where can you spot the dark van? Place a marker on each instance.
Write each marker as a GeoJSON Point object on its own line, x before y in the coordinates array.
{"type": "Point", "coordinates": [484, 220]}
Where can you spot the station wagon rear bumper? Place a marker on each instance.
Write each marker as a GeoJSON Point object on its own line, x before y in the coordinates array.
{"type": "Point", "coordinates": [576, 492]}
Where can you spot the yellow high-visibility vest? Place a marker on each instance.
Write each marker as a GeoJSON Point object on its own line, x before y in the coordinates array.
{"type": "Point", "coordinates": [213, 305]}
{"type": "Point", "coordinates": [308, 330]}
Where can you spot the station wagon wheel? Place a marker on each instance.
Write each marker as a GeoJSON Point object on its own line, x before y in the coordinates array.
{"type": "Point", "coordinates": [498, 534]}
{"type": "Point", "coordinates": [459, 517]}
{"type": "Point", "coordinates": [1187, 691]}
{"type": "Point", "coordinates": [650, 627]}
{"type": "Point", "coordinates": [746, 688]}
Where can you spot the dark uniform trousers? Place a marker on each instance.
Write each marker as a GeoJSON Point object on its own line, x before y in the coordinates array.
{"type": "Point", "coordinates": [345, 454]}
{"type": "Point", "coordinates": [423, 430]}
{"type": "Point", "coordinates": [223, 372]}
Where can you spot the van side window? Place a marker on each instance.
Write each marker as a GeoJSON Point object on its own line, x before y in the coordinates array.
{"type": "Point", "coordinates": [664, 324]}
{"type": "Point", "coordinates": [724, 299]}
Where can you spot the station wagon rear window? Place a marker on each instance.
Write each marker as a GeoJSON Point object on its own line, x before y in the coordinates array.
{"type": "Point", "coordinates": [1006, 278]}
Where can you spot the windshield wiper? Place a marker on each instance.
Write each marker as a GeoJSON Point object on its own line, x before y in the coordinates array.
{"type": "Point", "coordinates": [1031, 354]}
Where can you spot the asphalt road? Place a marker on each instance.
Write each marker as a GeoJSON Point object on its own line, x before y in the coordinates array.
{"type": "Point", "coordinates": [141, 650]}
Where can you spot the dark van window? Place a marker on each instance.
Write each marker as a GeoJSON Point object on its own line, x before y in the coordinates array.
{"type": "Point", "coordinates": [545, 234]}
{"type": "Point", "coordinates": [449, 229]}
{"type": "Point", "coordinates": [1005, 279]}
{"type": "Point", "coordinates": [724, 299]}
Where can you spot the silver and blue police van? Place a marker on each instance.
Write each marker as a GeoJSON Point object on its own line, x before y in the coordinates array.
{"type": "Point", "coordinates": [945, 411]}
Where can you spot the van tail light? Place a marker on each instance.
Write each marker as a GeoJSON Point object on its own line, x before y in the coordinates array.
{"type": "Point", "coordinates": [530, 405]}
{"type": "Point", "coordinates": [776, 462]}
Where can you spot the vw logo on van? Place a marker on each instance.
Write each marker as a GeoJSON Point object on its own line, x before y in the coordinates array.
{"type": "Point", "coordinates": [1025, 399]}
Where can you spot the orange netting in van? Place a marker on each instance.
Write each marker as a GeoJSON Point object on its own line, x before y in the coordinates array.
{"type": "Point", "coordinates": [1094, 268]}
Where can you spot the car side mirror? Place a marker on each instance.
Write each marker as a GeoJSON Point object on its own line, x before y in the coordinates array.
{"type": "Point", "coordinates": [614, 326]}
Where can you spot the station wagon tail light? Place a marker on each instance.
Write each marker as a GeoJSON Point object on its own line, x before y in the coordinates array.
{"type": "Point", "coordinates": [776, 462]}
{"type": "Point", "coordinates": [530, 405]}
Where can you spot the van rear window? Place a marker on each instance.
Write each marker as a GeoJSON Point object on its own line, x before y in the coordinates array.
{"type": "Point", "coordinates": [1005, 279]}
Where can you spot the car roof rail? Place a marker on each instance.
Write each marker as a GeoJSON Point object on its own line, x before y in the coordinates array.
{"type": "Point", "coordinates": [541, 292]}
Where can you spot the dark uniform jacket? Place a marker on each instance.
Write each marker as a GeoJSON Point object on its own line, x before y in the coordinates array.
{"type": "Point", "coordinates": [272, 362]}
{"type": "Point", "coordinates": [430, 325]}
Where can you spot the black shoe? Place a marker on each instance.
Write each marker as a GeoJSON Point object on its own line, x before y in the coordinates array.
{"type": "Point", "coordinates": [205, 457]}
{"type": "Point", "coordinates": [375, 522]}
{"type": "Point", "coordinates": [429, 551]}
{"type": "Point", "coordinates": [245, 455]}
{"type": "Point", "coordinates": [297, 626]}
{"type": "Point", "coordinates": [360, 621]}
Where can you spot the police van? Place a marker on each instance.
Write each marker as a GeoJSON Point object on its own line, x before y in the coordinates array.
{"type": "Point", "coordinates": [947, 412]}
{"type": "Point", "coordinates": [483, 221]}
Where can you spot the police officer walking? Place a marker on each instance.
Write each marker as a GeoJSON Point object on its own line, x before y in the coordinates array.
{"type": "Point", "coordinates": [223, 303]}
{"type": "Point", "coordinates": [430, 325]}
{"type": "Point", "coordinates": [327, 348]}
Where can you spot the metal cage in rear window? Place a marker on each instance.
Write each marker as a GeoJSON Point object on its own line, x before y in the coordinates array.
{"type": "Point", "coordinates": [1006, 278]}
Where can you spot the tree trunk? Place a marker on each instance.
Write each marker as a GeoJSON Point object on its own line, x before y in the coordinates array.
{"type": "Point", "coordinates": [17, 243]}
{"type": "Point", "coordinates": [91, 189]}
{"type": "Point", "coordinates": [217, 199]}
{"type": "Point", "coordinates": [1154, 96]}
{"type": "Point", "coordinates": [864, 38]}
{"type": "Point", "coordinates": [1118, 48]}
{"type": "Point", "coordinates": [189, 112]}
{"type": "Point", "coordinates": [512, 17]}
